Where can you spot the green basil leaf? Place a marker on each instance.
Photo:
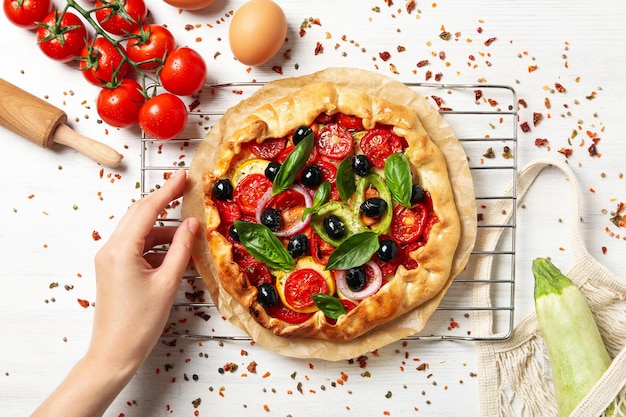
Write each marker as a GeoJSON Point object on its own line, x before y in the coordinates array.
{"type": "Point", "coordinates": [293, 164]}
{"type": "Point", "coordinates": [356, 250]}
{"type": "Point", "coordinates": [321, 196]}
{"type": "Point", "coordinates": [329, 305]}
{"type": "Point", "coordinates": [346, 185]}
{"type": "Point", "coordinates": [261, 243]}
{"type": "Point", "coordinates": [398, 178]}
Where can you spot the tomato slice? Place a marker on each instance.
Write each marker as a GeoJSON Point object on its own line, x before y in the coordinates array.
{"type": "Point", "coordinates": [407, 261]}
{"type": "Point", "coordinates": [300, 285]}
{"type": "Point", "coordinates": [228, 210]}
{"type": "Point", "coordinates": [269, 148]}
{"type": "Point", "coordinates": [258, 273]}
{"type": "Point", "coordinates": [378, 143]}
{"type": "Point", "coordinates": [334, 141]}
{"type": "Point", "coordinates": [320, 250]}
{"type": "Point", "coordinates": [249, 191]}
{"type": "Point", "coordinates": [281, 312]}
{"type": "Point", "coordinates": [286, 200]}
{"type": "Point", "coordinates": [280, 158]}
{"type": "Point", "coordinates": [329, 173]}
{"type": "Point", "coordinates": [350, 122]}
{"type": "Point", "coordinates": [408, 223]}
{"type": "Point", "coordinates": [241, 256]}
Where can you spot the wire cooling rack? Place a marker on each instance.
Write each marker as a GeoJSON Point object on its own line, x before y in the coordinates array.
{"type": "Point", "coordinates": [484, 118]}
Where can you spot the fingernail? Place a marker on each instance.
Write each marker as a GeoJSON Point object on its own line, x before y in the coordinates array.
{"type": "Point", "coordinates": [193, 225]}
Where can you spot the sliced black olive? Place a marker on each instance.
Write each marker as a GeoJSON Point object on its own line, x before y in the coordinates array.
{"type": "Point", "coordinates": [356, 278]}
{"type": "Point", "coordinates": [223, 189]}
{"type": "Point", "coordinates": [270, 217]}
{"type": "Point", "coordinates": [271, 170]}
{"type": "Point", "coordinates": [361, 165]}
{"type": "Point", "coordinates": [233, 233]}
{"type": "Point", "coordinates": [312, 176]}
{"type": "Point", "coordinates": [334, 226]}
{"type": "Point", "coordinates": [267, 296]}
{"type": "Point", "coordinates": [301, 133]}
{"type": "Point", "coordinates": [417, 192]}
{"type": "Point", "coordinates": [298, 245]}
{"type": "Point", "coordinates": [388, 250]}
{"type": "Point", "coordinates": [374, 207]}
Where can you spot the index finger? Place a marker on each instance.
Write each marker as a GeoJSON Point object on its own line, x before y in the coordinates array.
{"type": "Point", "coordinates": [142, 215]}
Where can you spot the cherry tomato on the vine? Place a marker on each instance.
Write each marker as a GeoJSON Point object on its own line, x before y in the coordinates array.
{"type": "Point", "coordinates": [184, 72]}
{"type": "Point", "coordinates": [102, 64]}
{"type": "Point", "coordinates": [120, 17]}
{"type": "Point", "coordinates": [119, 106]}
{"type": "Point", "coordinates": [61, 36]}
{"type": "Point", "coordinates": [149, 45]}
{"type": "Point", "coordinates": [26, 13]}
{"type": "Point", "coordinates": [164, 116]}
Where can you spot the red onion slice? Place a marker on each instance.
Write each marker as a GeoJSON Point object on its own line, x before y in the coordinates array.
{"type": "Point", "coordinates": [373, 284]}
{"type": "Point", "coordinates": [298, 227]}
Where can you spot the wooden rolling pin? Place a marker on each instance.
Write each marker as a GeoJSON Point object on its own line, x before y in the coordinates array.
{"type": "Point", "coordinates": [44, 124]}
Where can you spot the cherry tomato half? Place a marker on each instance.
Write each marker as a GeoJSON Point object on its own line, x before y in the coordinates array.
{"type": "Point", "coordinates": [334, 141]}
{"type": "Point", "coordinates": [408, 223]}
{"type": "Point", "coordinates": [249, 191]}
{"type": "Point", "coordinates": [378, 143]}
{"type": "Point", "coordinates": [258, 273]}
{"type": "Point", "coordinates": [61, 36]}
{"type": "Point", "coordinates": [102, 64]}
{"type": "Point", "coordinates": [300, 285]}
{"type": "Point", "coordinates": [184, 72]}
{"type": "Point", "coordinates": [349, 122]}
{"type": "Point", "coordinates": [269, 148]}
{"type": "Point", "coordinates": [163, 116]}
{"type": "Point", "coordinates": [149, 46]}
{"type": "Point", "coordinates": [119, 106]}
{"type": "Point", "coordinates": [120, 17]}
{"type": "Point", "coordinates": [228, 210]}
{"type": "Point", "coordinates": [281, 312]}
{"type": "Point", "coordinates": [26, 13]}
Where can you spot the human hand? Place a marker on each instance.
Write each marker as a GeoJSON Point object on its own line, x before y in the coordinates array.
{"type": "Point", "coordinates": [136, 287]}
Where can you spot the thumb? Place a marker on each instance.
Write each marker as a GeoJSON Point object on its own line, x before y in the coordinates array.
{"type": "Point", "coordinates": [178, 255]}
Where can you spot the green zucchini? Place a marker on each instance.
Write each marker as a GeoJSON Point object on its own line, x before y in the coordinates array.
{"type": "Point", "coordinates": [577, 353]}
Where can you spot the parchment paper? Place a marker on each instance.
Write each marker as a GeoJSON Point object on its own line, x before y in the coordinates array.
{"type": "Point", "coordinates": [376, 85]}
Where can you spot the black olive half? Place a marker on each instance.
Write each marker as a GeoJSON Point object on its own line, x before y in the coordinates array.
{"type": "Point", "coordinates": [374, 207]}
{"type": "Point", "coordinates": [334, 226]}
{"type": "Point", "coordinates": [223, 189]}
{"type": "Point", "coordinates": [270, 217]}
{"type": "Point", "coordinates": [267, 296]}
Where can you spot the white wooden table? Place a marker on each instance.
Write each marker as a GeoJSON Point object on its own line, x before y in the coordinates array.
{"type": "Point", "coordinates": [52, 201]}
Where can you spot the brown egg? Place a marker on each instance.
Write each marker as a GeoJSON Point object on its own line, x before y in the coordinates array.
{"type": "Point", "coordinates": [257, 31]}
{"type": "Point", "coordinates": [190, 4]}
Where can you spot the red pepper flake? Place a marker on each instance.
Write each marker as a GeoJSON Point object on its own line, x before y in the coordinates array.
{"type": "Point", "coordinates": [593, 150]}
{"type": "Point", "coordinates": [266, 375]}
{"type": "Point", "coordinates": [194, 104]}
{"type": "Point", "coordinates": [266, 407]}
{"type": "Point", "coordinates": [438, 100]}
{"type": "Point", "coordinates": [525, 127]}
{"type": "Point", "coordinates": [537, 117]}
{"type": "Point", "coordinates": [410, 6]}
{"type": "Point", "coordinates": [422, 63]}
{"type": "Point", "coordinates": [492, 102]}
{"type": "Point", "coordinates": [532, 68]}
{"type": "Point", "coordinates": [567, 152]}
{"type": "Point", "coordinates": [522, 103]}
{"type": "Point", "coordinates": [539, 142]}
{"type": "Point", "coordinates": [384, 55]}
{"type": "Point", "coordinates": [438, 76]}
{"type": "Point", "coordinates": [604, 250]}
{"type": "Point", "coordinates": [83, 303]}
{"type": "Point", "coordinates": [442, 55]}
{"type": "Point", "coordinates": [95, 235]}
{"type": "Point", "coordinates": [319, 48]}
{"type": "Point", "coordinates": [559, 87]}
{"type": "Point", "coordinates": [277, 69]}
{"type": "Point", "coordinates": [490, 41]}
{"type": "Point", "coordinates": [428, 75]}
{"type": "Point", "coordinates": [30, 197]}
{"type": "Point", "coordinates": [479, 29]}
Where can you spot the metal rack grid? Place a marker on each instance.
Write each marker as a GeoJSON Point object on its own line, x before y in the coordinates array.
{"type": "Point", "coordinates": [484, 119]}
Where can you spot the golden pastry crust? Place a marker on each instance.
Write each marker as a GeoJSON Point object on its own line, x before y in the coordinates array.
{"type": "Point", "coordinates": [408, 289]}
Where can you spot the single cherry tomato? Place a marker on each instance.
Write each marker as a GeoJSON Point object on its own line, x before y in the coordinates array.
{"type": "Point", "coordinates": [378, 143]}
{"type": "Point", "coordinates": [269, 148]}
{"type": "Point", "coordinates": [300, 285]}
{"type": "Point", "coordinates": [407, 224]}
{"type": "Point", "coordinates": [334, 141]}
{"type": "Point", "coordinates": [149, 45]}
{"type": "Point", "coordinates": [26, 13]}
{"type": "Point", "coordinates": [119, 106]}
{"type": "Point", "coordinates": [61, 36]}
{"type": "Point", "coordinates": [184, 72]}
{"type": "Point", "coordinates": [120, 17]}
{"type": "Point", "coordinates": [249, 191]}
{"type": "Point", "coordinates": [283, 313]}
{"type": "Point", "coordinates": [349, 122]}
{"type": "Point", "coordinates": [102, 64]}
{"type": "Point", "coordinates": [163, 116]}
